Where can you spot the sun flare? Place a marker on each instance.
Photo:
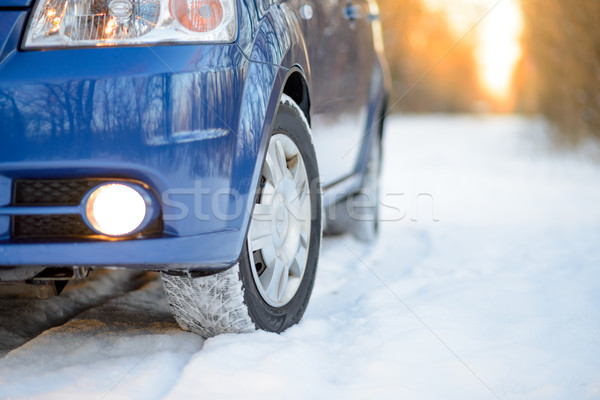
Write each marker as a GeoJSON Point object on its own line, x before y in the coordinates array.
{"type": "Point", "coordinates": [498, 35]}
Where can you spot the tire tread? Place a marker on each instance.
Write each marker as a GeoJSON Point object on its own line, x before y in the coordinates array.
{"type": "Point", "coordinates": [210, 305]}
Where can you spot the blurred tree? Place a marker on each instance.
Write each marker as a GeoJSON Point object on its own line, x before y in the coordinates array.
{"type": "Point", "coordinates": [560, 72]}
{"type": "Point", "coordinates": [424, 80]}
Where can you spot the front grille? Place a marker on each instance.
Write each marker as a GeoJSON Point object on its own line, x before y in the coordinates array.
{"type": "Point", "coordinates": [46, 226]}
{"type": "Point", "coordinates": [58, 192]}
{"type": "Point", "coordinates": [49, 192]}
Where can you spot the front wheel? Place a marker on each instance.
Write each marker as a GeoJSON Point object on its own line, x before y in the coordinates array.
{"type": "Point", "coordinates": [269, 288]}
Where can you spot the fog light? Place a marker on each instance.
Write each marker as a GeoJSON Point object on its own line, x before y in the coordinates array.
{"type": "Point", "coordinates": [115, 209]}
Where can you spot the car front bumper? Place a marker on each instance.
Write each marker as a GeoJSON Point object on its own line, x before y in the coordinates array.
{"type": "Point", "coordinates": [167, 116]}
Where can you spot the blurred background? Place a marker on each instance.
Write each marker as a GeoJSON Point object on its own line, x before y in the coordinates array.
{"type": "Point", "coordinates": [534, 57]}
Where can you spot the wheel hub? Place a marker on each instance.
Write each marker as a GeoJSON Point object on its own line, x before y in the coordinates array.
{"type": "Point", "coordinates": [285, 221]}
{"type": "Point", "coordinates": [282, 221]}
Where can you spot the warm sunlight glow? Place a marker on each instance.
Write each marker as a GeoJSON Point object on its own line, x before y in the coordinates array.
{"type": "Point", "coordinates": [499, 46]}
{"type": "Point", "coordinates": [497, 37]}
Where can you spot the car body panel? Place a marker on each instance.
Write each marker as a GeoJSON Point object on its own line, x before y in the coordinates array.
{"type": "Point", "coordinates": [187, 120]}
{"type": "Point", "coordinates": [11, 25]}
{"type": "Point", "coordinates": [15, 3]}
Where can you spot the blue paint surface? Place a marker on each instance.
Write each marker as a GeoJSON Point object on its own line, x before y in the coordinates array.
{"type": "Point", "coordinates": [190, 121]}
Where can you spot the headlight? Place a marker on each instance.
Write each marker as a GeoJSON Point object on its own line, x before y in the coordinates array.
{"type": "Point", "coordinates": [78, 23]}
{"type": "Point", "coordinates": [115, 209]}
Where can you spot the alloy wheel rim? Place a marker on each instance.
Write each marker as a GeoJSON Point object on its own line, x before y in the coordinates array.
{"type": "Point", "coordinates": [279, 235]}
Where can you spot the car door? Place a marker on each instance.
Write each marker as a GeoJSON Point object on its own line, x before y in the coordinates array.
{"type": "Point", "coordinates": [339, 41]}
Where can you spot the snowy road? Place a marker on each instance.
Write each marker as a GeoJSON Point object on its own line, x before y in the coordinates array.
{"type": "Point", "coordinates": [484, 284]}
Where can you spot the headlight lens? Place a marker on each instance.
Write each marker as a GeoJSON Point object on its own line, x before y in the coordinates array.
{"type": "Point", "coordinates": [115, 209]}
{"type": "Point", "coordinates": [84, 23]}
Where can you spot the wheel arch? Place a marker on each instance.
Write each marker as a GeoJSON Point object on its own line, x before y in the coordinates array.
{"type": "Point", "coordinates": [296, 87]}
{"type": "Point", "coordinates": [278, 64]}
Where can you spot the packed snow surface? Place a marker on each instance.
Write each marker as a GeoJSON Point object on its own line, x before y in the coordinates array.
{"type": "Point", "coordinates": [484, 284]}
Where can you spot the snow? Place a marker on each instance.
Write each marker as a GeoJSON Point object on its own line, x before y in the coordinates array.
{"type": "Point", "coordinates": [498, 298]}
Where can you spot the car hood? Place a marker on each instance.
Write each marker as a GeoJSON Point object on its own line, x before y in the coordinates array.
{"type": "Point", "coordinates": [15, 3]}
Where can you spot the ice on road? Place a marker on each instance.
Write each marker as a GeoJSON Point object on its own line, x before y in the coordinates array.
{"type": "Point", "coordinates": [484, 284]}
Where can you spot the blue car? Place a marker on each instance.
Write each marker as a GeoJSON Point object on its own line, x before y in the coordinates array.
{"type": "Point", "coordinates": [210, 140]}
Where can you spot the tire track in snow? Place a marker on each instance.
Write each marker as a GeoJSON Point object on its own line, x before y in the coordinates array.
{"type": "Point", "coordinates": [22, 320]}
{"type": "Point", "coordinates": [128, 346]}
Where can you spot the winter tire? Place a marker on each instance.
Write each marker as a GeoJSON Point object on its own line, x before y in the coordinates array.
{"type": "Point", "coordinates": [269, 288]}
